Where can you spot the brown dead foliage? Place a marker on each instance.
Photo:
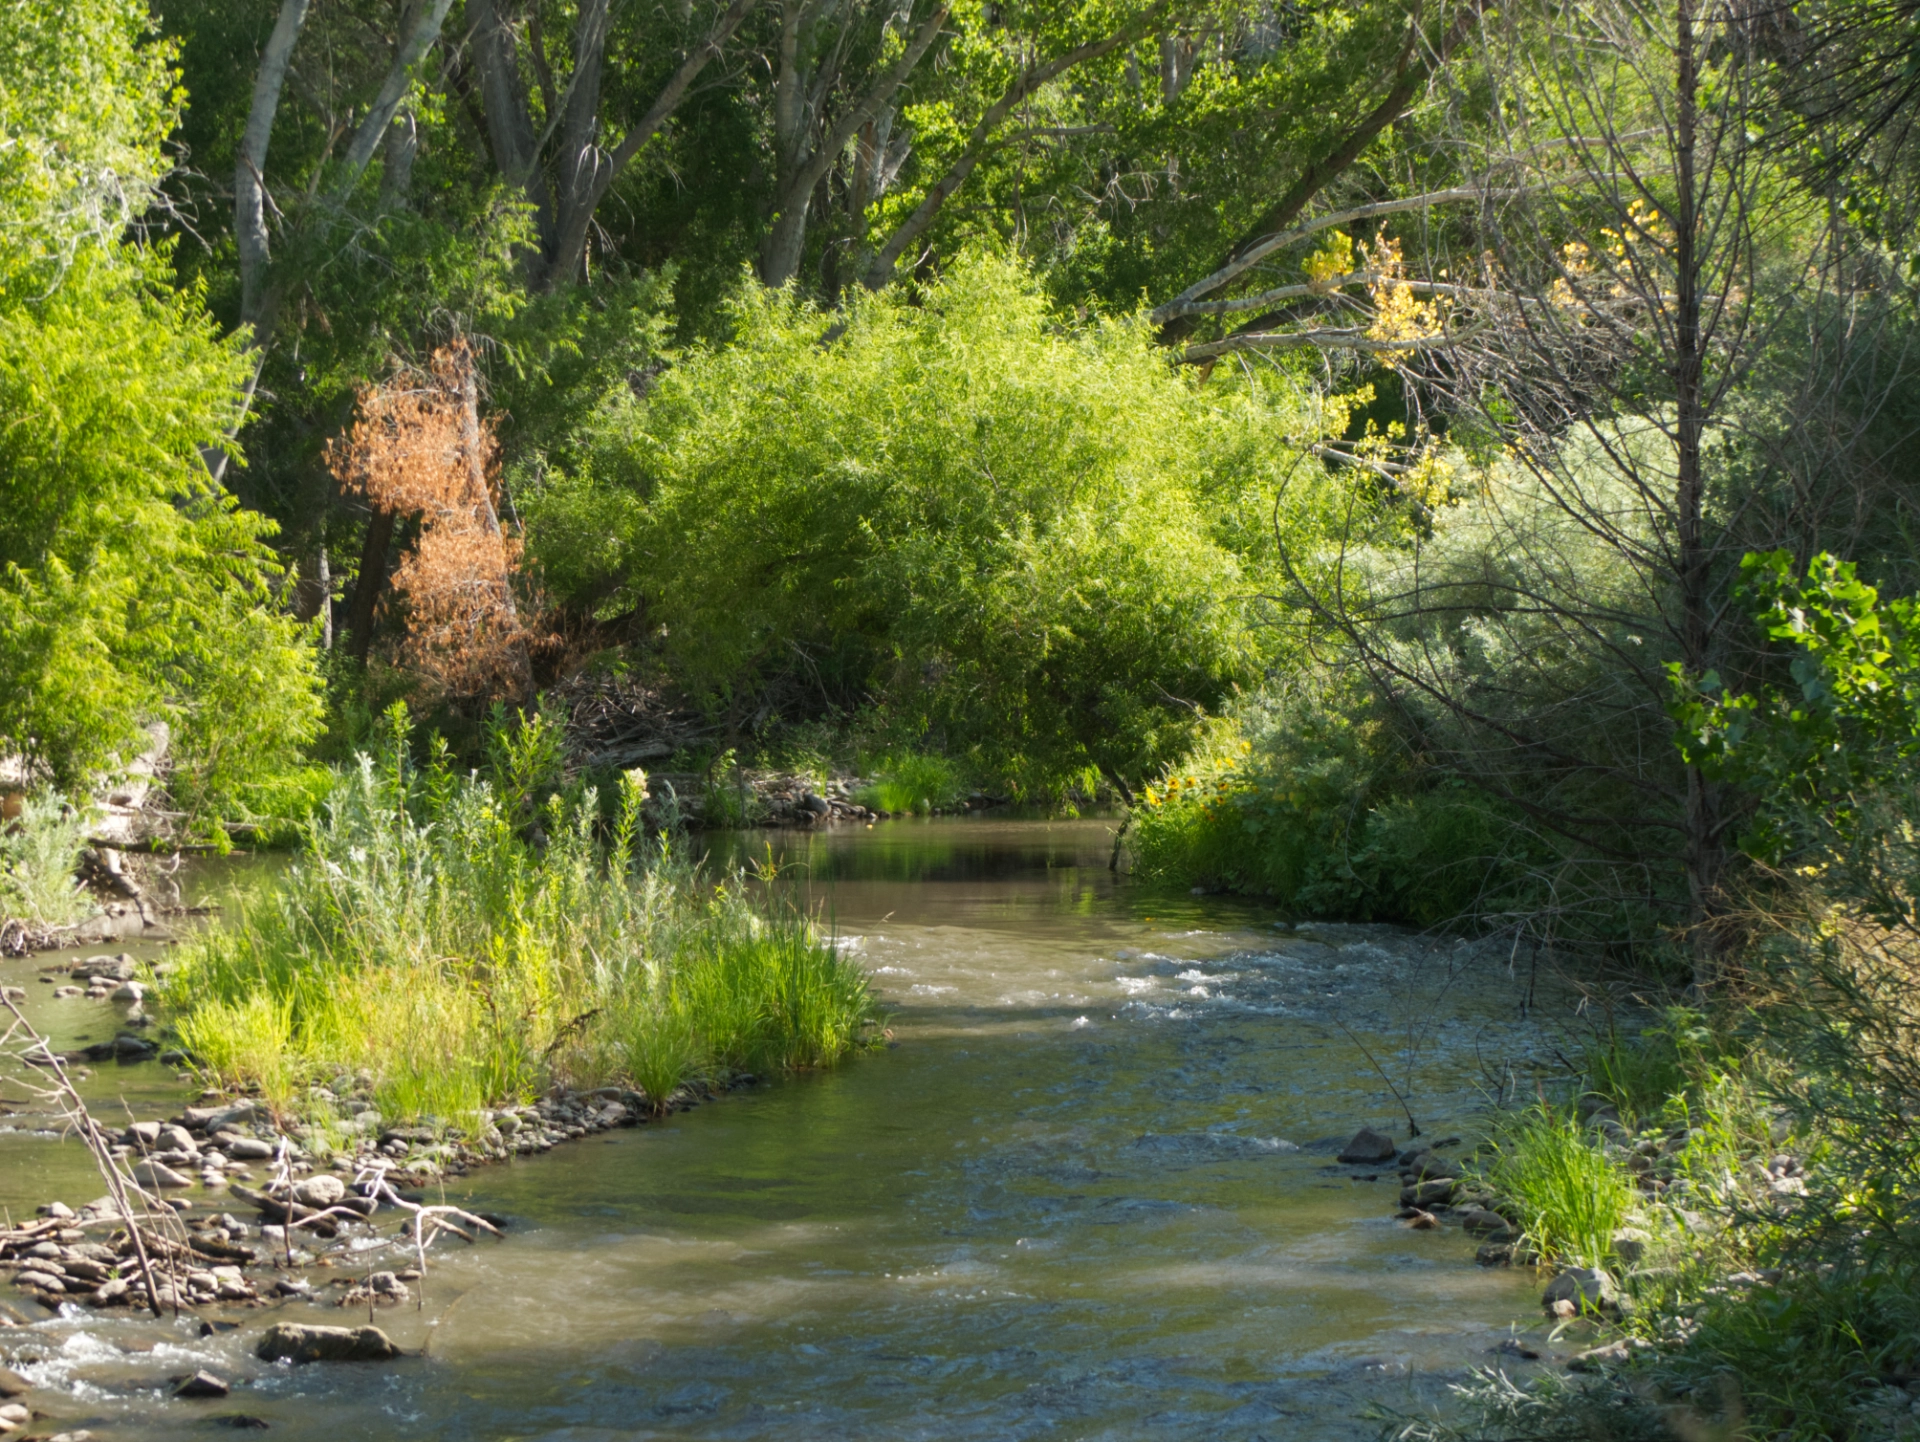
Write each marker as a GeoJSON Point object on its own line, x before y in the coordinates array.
{"type": "Point", "coordinates": [418, 447]}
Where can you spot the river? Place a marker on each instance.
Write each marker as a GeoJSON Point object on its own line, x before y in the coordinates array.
{"type": "Point", "coordinates": [1088, 1192]}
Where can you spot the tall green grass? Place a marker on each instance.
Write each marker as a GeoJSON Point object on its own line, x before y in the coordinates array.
{"type": "Point", "coordinates": [1570, 1196]}
{"type": "Point", "coordinates": [38, 855]}
{"type": "Point", "coordinates": [911, 781]}
{"type": "Point", "coordinates": [467, 944]}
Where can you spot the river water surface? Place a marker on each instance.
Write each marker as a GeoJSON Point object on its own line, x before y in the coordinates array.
{"type": "Point", "coordinates": [1089, 1192]}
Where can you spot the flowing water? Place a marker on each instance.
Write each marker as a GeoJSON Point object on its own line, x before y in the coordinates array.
{"type": "Point", "coordinates": [1089, 1192]}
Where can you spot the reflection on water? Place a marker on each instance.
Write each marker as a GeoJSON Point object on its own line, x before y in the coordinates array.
{"type": "Point", "coordinates": [1088, 1194]}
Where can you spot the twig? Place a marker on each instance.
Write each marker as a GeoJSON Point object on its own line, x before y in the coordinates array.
{"type": "Point", "coordinates": [1413, 1127]}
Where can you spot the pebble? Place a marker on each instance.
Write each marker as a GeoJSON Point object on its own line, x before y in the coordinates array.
{"type": "Point", "coordinates": [202, 1384]}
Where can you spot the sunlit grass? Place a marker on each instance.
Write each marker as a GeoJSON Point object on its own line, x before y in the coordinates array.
{"type": "Point", "coordinates": [1570, 1196]}
{"type": "Point", "coordinates": [422, 940]}
{"type": "Point", "coordinates": [911, 781]}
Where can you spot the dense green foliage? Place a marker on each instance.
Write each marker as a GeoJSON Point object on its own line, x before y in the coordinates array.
{"type": "Point", "coordinates": [1019, 540]}
{"type": "Point", "coordinates": [421, 937]}
{"type": "Point", "coordinates": [132, 588]}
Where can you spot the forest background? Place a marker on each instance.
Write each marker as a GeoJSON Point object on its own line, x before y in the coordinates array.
{"type": "Point", "coordinates": [1423, 463]}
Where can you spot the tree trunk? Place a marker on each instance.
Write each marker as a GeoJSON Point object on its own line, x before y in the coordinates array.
{"type": "Point", "coordinates": [1705, 853]}
{"type": "Point", "coordinates": [373, 579]}
{"type": "Point", "coordinates": [250, 171]}
{"type": "Point", "coordinates": [1411, 72]}
{"type": "Point", "coordinates": [482, 501]}
{"type": "Point", "coordinates": [797, 105]}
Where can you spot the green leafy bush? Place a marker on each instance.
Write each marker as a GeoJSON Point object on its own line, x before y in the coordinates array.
{"type": "Point", "coordinates": [132, 587]}
{"type": "Point", "coordinates": [1308, 797]}
{"type": "Point", "coordinates": [1017, 534]}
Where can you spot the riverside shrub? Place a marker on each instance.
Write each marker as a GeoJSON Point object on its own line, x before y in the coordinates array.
{"type": "Point", "coordinates": [432, 937]}
{"type": "Point", "coordinates": [1027, 539]}
{"type": "Point", "coordinates": [133, 588]}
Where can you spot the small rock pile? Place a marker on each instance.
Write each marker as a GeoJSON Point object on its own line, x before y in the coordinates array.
{"type": "Point", "coordinates": [89, 1256]}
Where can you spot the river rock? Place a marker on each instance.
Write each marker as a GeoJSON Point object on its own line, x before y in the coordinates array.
{"type": "Point", "coordinates": [13, 1417]}
{"type": "Point", "coordinates": [159, 1174]}
{"type": "Point", "coordinates": [1587, 1288]}
{"type": "Point", "coordinates": [1427, 1194]}
{"type": "Point", "coordinates": [116, 1293]}
{"type": "Point", "coordinates": [108, 968]}
{"type": "Point", "coordinates": [211, 1119]}
{"type": "Point", "coordinates": [295, 1342]}
{"type": "Point", "coordinates": [12, 1385]}
{"type": "Point", "coordinates": [39, 1281]}
{"type": "Point", "coordinates": [320, 1191]}
{"type": "Point", "coordinates": [1630, 1244]}
{"type": "Point", "coordinates": [175, 1139]}
{"type": "Point", "coordinates": [202, 1384]}
{"type": "Point", "coordinates": [1368, 1147]}
{"type": "Point", "coordinates": [144, 1135]}
{"type": "Point", "coordinates": [247, 1149]}
{"type": "Point", "coordinates": [1483, 1222]}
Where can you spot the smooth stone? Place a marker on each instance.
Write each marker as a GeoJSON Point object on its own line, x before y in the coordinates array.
{"type": "Point", "coordinates": [1479, 1219]}
{"type": "Point", "coordinates": [144, 1135]}
{"type": "Point", "coordinates": [1584, 1287]}
{"type": "Point", "coordinates": [1630, 1244]}
{"type": "Point", "coordinates": [320, 1191]}
{"type": "Point", "coordinates": [213, 1118]}
{"type": "Point", "coordinates": [1611, 1355]}
{"type": "Point", "coordinates": [1369, 1146]}
{"type": "Point", "coordinates": [1427, 1194]}
{"type": "Point", "coordinates": [12, 1385]}
{"type": "Point", "coordinates": [248, 1149]}
{"type": "Point", "coordinates": [294, 1342]}
{"type": "Point", "coordinates": [39, 1281]}
{"type": "Point", "coordinates": [202, 1384]}
{"type": "Point", "coordinates": [13, 1417]}
{"type": "Point", "coordinates": [175, 1139]}
{"type": "Point", "coordinates": [158, 1174]}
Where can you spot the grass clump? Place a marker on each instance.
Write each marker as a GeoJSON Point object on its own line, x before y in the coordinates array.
{"type": "Point", "coordinates": [911, 781]}
{"type": "Point", "coordinates": [39, 854]}
{"type": "Point", "coordinates": [1569, 1196]}
{"type": "Point", "coordinates": [463, 943]}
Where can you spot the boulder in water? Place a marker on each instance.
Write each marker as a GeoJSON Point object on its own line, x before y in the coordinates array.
{"type": "Point", "coordinates": [1369, 1147]}
{"type": "Point", "coordinates": [295, 1342]}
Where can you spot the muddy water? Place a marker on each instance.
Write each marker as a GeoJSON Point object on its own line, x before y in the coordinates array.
{"type": "Point", "coordinates": [1089, 1193]}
